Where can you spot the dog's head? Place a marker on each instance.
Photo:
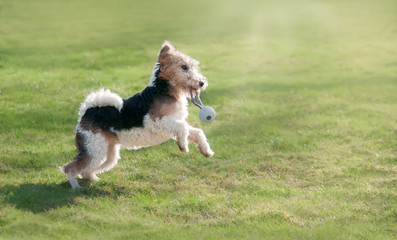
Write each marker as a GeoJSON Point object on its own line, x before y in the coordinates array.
{"type": "Point", "coordinates": [181, 71]}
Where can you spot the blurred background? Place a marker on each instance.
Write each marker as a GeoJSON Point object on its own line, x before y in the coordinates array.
{"type": "Point", "coordinates": [259, 31]}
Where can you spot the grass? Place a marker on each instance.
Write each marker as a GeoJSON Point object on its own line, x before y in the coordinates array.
{"type": "Point", "coordinates": [305, 136]}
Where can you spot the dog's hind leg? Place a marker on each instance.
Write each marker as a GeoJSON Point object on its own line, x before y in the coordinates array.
{"type": "Point", "coordinates": [97, 147]}
{"type": "Point", "coordinates": [79, 162]}
{"type": "Point", "coordinates": [73, 182]}
{"type": "Point", "coordinates": [113, 155]}
{"type": "Point", "coordinates": [75, 167]}
{"type": "Point", "coordinates": [92, 149]}
{"type": "Point", "coordinates": [198, 137]}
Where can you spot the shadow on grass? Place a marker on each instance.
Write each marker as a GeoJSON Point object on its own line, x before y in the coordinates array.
{"type": "Point", "coordinates": [42, 197]}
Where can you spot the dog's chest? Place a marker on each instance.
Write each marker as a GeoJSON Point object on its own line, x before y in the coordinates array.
{"type": "Point", "coordinates": [168, 106]}
{"type": "Point", "coordinates": [157, 124]}
{"type": "Point", "coordinates": [150, 135]}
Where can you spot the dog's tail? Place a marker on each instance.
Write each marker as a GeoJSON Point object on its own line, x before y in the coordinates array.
{"type": "Point", "coordinates": [101, 98]}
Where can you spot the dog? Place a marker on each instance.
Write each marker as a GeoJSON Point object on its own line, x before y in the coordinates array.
{"type": "Point", "coordinates": [158, 113]}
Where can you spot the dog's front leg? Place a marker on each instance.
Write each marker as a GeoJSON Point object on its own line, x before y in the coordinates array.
{"type": "Point", "coordinates": [179, 129]}
{"type": "Point", "coordinates": [182, 134]}
{"type": "Point", "coordinates": [198, 137]}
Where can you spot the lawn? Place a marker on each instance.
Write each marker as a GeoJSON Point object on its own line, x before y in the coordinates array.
{"type": "Point", "coordinates": [305, 138]}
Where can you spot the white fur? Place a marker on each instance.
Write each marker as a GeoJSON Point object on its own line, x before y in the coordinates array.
{"type": "Point", "coordinates": [100, 150]}
{"type": "Point", "coordinates": [104, 155]}
{"type": "Point", "coordinates": [97, 147]}
{"type": "Point", "coordinates": [111, 161]}
{"type": "Point", "coordinates": [73, 181]}
{"type": "Point", "coordinates": [101, 98]}
{"type": "Point", "coordinates": [198, 137]}
{"type": "Point", "coordinates": [153, 133]}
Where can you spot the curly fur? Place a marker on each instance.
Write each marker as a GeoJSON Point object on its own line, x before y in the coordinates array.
{"type": "Point", "coordinates": [101, 98]}
{"type": "Point", "coordinates": [155, 115]}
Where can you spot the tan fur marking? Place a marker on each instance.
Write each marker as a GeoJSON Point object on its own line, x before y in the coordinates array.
{"type": "Point", "coordinates": [180, 80]}
{"type": "Point", "coordinates": [87, 126]}
{"type": "Point", "coordinates": [163, 106]}
{"type": "Point", "coordinates": [82, 159]}
{"type": "Point", "coordinates": [110, 136]}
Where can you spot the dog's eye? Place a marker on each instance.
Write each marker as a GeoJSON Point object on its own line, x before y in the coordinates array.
{"type": "Point", "coordinates": [184, 67]}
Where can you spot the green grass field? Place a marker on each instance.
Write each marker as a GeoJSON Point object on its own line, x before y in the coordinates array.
{"type": "Point", "coordinates": [305, 138]}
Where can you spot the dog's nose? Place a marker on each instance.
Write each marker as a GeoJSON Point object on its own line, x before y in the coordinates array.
{"type": "Point", "coordinates": [201, 84]}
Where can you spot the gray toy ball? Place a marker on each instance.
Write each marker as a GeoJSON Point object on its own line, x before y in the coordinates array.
{"type": "Point", "coordinates": [207, 114]}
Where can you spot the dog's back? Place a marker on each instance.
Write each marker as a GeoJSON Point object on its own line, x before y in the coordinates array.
{"type": "Point", "coordinates": [148, 118]}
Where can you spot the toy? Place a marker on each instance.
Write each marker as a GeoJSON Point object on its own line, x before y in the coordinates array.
{"type": "Point", "coordinates": [207, 114]}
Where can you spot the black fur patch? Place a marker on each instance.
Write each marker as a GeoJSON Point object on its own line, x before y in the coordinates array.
{"type": "Point", "coordinates": [133, 111]}
{"type": "Point", "coordinates": [101, 117]}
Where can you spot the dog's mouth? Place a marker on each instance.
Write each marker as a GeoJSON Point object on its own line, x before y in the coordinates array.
{"type": "Point", "coordinates": [196, 87]}
{"type": "Point", "coordinates": [195, 91]}
{"type": "Point", "coordinates": [195, 97]}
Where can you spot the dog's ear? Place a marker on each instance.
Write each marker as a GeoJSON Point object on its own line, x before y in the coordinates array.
{"type": "Point", "coordinates": [167, 47]}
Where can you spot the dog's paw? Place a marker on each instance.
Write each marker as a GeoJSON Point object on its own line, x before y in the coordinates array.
{"type": "Point", "coordinates": [183, 148]}
{"type": "Point", "coordinates": [94, 178]}
{"type": "Point", "coordinates": [91, 177]}
{"type": "Point", "coordinates": [208, 153]}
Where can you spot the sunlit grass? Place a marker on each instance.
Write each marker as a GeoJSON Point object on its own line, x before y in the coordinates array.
{"type": "Point", "coordinates": [305, 136]}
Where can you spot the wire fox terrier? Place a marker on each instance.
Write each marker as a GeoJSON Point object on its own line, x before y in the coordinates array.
{"type": "Point", "coordinates": [158, 113]}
